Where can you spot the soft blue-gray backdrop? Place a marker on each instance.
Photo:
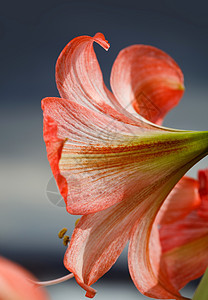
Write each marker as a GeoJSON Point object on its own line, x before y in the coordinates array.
{"type": "Point", "coordinates": [32, 34]}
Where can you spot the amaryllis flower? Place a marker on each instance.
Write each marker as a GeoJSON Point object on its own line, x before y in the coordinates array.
{"type": "Point", "coordinates": [112, 166]}
{"type": "Point", "coordinates": [185, 240]}
{"type": "Point", "coordinates": [16, 283]}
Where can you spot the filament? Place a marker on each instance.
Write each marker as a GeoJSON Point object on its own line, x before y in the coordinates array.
{"type": "Point", "coordinates": [54, 281]}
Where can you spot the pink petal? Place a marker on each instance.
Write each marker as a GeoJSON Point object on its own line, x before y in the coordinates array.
{"type": "Point", "coordinates": [88, 138]}
{"type": "Point", "coordinates": [147, 80]}
{"type": "Point", "coordinates": [203, 182]}
{"type": "Point", "coordinates": [180, 202]}
{"type": "Point", "coordinates": [15, 283]}
{"type": "Point", "coordinates": [79, 78]}
{"type": "Point", "coordinates": [96, 243]}
{"type": "Point", "coordinates": [99, 238]}
{"type": "Point", "coordinates": [146, 270]}
{"type": "Point", "coordinates": [190, 228]}
{"type": "Point", "coordinates": [203, 191]}
{"type": "Point", "coordinates": [97, 160]}
{"type": "Point", "coordinates": [78, 75]}
{"type": "Point", "coordinates": [185, 249]}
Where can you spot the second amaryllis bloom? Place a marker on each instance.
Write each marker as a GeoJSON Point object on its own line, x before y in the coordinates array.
{"type": "Point", "coordinates": [112, 166]}
{"type": "Point", "coordinates": [184, 236]}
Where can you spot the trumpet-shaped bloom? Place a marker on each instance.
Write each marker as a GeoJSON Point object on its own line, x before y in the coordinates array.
{"type": "Point", "coordinates": [112, 166]}
{"type": "Point", "coordinates": [185, 240]}
{"type": "Point", "coordinates": [16, 283]}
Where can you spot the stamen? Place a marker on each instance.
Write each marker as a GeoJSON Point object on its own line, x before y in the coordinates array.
{"type": "Point", "coordinates": [62, 233]}
{"type": "Point", "coordinates": [66, 240]}
{"type": "Point", "coordinates": [77, 221]}
{"type": "Point", "coordinates": [54, 281]}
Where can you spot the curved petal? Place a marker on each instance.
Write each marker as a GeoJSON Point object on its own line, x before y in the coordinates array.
{"type": "Point", "coordinates": [79, 78]}
{"type": "Point", "coordinates": [79, 144]}
{"type": "Point", "coordinates": [180, 202]}
{"type": "Point", "coordinates": [99, 238]}
{"type": "Point", "coordinates": [78, 75]}
{"type": "Point", "coordinates": [185, 249]}
{"type": "Point", "coordinates": [15, 283]}
{"type": "Point", "coordinates": [98, 159]}
{"type": "Point", "coordinates": [96, 243]}
{"type": "Point", "coordinates": [146, 269]}
{"type": "Point", "coordinates": [147, 80]}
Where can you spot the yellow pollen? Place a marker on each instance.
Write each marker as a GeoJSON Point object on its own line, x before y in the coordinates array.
{"type": "Point", "coordinates": [66, 240]}
{"type": "Point", "coordinates": [62, 233]}
{"type": "Point", "coordinates": [77, 221]}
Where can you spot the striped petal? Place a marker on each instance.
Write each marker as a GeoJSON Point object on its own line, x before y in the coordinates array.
{"type": "Point", "coordinates": [78, 75]}
{"type": "Point", "coordinates": [15, 283]}
{"type": "Point", "coordinates": [96, 243]}
{"type": "Point", "coordinates": [99, 238]}
{"type": "Point", "coordinates": [79, 78]}
{"type": "Point", "coordinates": [147, 271]}
{"type": "Point", "coordinates": [146, 80]}
{"type": "Point", "coordinates": [185, 249]}
{"type": "Point", "coordinates": [180, 202]}
{"type": "Point", "coordinates": [79, 145]}
{"type": "Point", "coordinates": [96, 161]}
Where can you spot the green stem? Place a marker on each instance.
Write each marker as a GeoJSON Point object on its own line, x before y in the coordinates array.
{"type": "Point", "coordinates": [201, 292]}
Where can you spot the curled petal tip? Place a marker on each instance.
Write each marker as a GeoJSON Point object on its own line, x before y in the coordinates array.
{"type": "Point", "coordinates": [149, 80]}
{"type": "Point", "coordinates": [90, 294]}
{"type": "Point", "coordinates": [100, 38]}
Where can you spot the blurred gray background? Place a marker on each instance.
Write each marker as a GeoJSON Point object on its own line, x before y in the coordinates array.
{"type": "Point", "coordinates": [32, 34]}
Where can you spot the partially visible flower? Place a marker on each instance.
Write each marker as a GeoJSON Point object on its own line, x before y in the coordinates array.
{"type": "Point", "coordinates": [185, 240]}
{"type": "Point", "coordinates": [17, 284]}
{"type": "Point", "coordinates": [112, 166]}
{"type": "Point", "coordinates": [183, 199]}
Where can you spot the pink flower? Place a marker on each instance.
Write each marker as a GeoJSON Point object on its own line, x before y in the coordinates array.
{"type": "Point", "coordinates": [112, 165]}
{"type": "Point", "coordinates": [17, 283]}
{"type": "Point", "coordinates": [185, 239]}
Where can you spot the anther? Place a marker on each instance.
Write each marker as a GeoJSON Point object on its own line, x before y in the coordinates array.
{"type": "Point", "coordinates": [77, 221]}
{"type": "Point", "coordinates": [62, 233]}
{"type": "Point", "coordinates": [66, 240]}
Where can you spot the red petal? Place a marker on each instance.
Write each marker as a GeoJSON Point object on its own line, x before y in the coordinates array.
{"type": "Point", "coordinates": [203, 191]}
{"type": "Point", "coordinates": [54, 146]}
{"type": "Point", "coordinates": [180, 202]}
{"type": "Point", "coordinates": [203, 182]}
{"type": "Point", "coordinates": [147, 80]}
{"type": "Point", "coordinates": [185, 249]}
{"type": "Point", "coordinates": [146, 270]}
{"type": "Point", "coordinates": [99, 238]}
{"type": "Point", "coordinates": [87, 183]}
{"type": "Point", "coordinates": [97, 160]}
{"type": "Point", "coordinates": [79, 78]}
{"type": "Point", "coordinates": [78, 75]}
{"type": "Point", "coordinates": [15, 283]}
{"type": "Point", "coordinates": [96, 243]}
